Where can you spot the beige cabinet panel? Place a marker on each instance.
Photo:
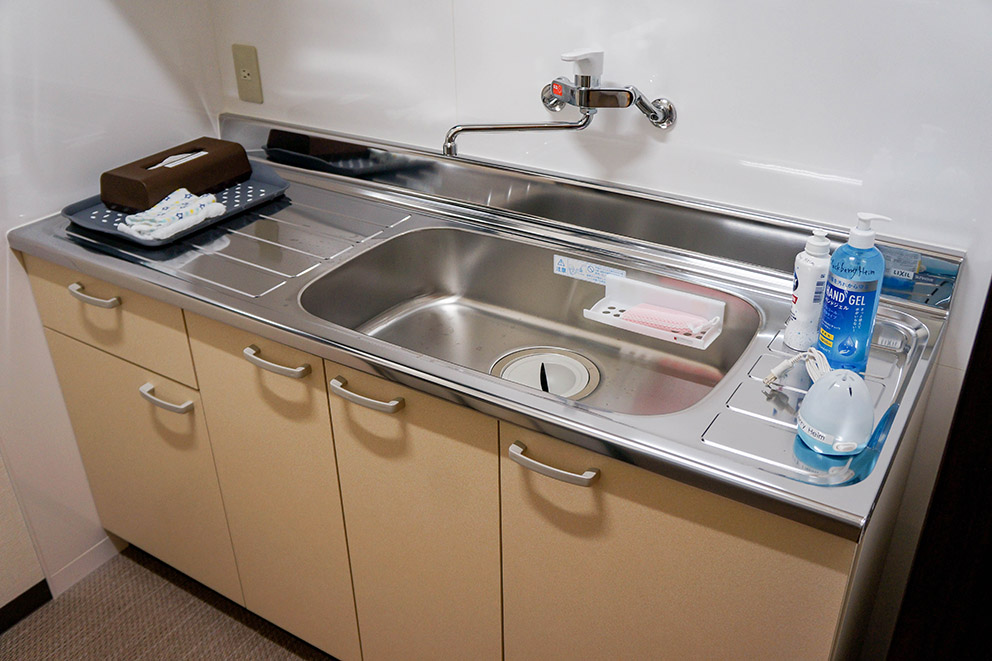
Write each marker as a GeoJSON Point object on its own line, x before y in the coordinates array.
{"type": "Point", "coordinates": [138, 329]}
{"type": "Point", "coordinates": [639, 566]}
{"type": "Point", "coordinates": [151, 470]}
{"type": "Point", "coordinates": [271, 435]}
{"type": "Point", "coordinates": [420, 491]}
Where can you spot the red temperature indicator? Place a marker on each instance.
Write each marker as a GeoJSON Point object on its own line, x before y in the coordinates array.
{"type": "Point", "coordinates": [556, 89]}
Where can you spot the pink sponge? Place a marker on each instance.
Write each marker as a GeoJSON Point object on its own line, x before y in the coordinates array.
{"type": "Point", "coordinates": [667, 319]}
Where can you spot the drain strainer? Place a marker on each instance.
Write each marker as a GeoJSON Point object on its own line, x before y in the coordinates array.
{"type": "Point", "coordinates": [558, 371]}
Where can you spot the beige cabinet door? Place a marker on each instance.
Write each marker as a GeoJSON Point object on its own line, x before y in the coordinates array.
{"type": "Point", "coordinates": [151, 470]}
{"type": "Point", "coordinates": [638, 566]}
{"type": "Point", "coordinates": [420, 488]}
{"type": "Point", "coordinates": [271, 432]}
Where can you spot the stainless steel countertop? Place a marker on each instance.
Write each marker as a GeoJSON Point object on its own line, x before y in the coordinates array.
{"type": "Point", "coordinates": [737, 442]}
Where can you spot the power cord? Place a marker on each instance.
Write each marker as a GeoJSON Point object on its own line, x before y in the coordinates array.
{"type": "Point", "coordinates": [816, 365]}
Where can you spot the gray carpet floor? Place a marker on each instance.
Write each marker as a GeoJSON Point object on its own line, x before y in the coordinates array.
{"type": "Point", "coordinates": [135, 607]}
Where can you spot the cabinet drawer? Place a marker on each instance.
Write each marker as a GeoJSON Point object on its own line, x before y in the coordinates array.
{"type": "Point", "coordinates": [151, 469]}
{"type": "Point", "coordinates": [266, 406]}
{"type": "Point", "coordinates": [131, 326]}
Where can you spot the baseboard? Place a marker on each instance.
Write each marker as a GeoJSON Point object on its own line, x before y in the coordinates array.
{"type": "Point", "coordinates": [28, 602]}
{"type": "Point", "coordinates": [82, 566]}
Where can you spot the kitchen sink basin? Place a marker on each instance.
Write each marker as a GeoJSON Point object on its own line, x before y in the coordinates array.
{"type": "Point", "coordinates": [496, 305]}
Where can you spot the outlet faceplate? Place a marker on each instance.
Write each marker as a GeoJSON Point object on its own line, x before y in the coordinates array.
{"type": "Point", "coordinates": [246, 73]}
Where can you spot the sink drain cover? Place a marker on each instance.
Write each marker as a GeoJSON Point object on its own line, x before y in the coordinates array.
{"type": "Point", "coordinates": [566, 373]}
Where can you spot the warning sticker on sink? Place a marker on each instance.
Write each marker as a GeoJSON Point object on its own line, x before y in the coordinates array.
{"type": "Point", "coordinates": [580, 270]}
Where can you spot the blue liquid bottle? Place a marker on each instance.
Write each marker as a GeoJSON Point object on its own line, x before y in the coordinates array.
{"type": "Point", "coordinates": [851, 300]}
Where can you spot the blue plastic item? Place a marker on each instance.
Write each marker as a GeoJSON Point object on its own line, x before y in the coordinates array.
{"type": "Point", "coordinates": [836, 416]}
{"type": "Point", "coordinates": [851, 300]}
{"type": "Point", "coordinates": [844, 470]}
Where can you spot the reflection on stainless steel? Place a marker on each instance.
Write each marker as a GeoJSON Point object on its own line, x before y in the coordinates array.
{"type": "Point", "coordinates": [257, 253]}
{"type": "Point", "coordinates": [431, 291]}
{"type": "Point", "coordinates": [780, 451]}
{"type": "Point", "coordinates": [470, 298]}
{"type": "Point", "coordinates": [635, 217]}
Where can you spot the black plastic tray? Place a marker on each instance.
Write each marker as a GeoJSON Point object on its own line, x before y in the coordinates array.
{"type": "Point", "coordinates": [263, 186]}
{"type": "Point", "coordinates": [377, 162]}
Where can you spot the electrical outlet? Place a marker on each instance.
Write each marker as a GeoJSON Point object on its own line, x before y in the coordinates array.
{"type": "Point", "coordinates": [246, 73]}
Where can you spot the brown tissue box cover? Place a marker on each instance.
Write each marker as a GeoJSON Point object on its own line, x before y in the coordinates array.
{"type": "Point", "coordinates": [134, 187]}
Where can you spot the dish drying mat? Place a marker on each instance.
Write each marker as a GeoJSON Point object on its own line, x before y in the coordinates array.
{"type": "Point", "coordinates": [263, 185]}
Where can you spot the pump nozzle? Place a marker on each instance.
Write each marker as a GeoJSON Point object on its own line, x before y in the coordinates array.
{"type": "Point", "coordinates": [865, 219]}
{"type": "Point", "coordinates": [818, 244]}
{"type": "Point", "coordinates": [863, 236]}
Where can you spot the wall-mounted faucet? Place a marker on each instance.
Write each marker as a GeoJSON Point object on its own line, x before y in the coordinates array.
{"type": "Point", "coordinates": [585, 93]}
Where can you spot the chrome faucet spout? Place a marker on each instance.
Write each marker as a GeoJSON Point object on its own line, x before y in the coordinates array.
{"type": "Point", "coordinates": [585, 93]}
{"type": "Point", "coordinates": [450, 149]}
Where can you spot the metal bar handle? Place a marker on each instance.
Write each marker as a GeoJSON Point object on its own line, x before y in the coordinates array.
{"type": "Point", "coordinates": [76, 289]}
{"type": "Point", "coordinates": [585, 480]}
{"type": "Point", "coordinates": [338, 384]}
{"type": "Point", "coordinates": [148, 392]}
{"type": "Point", "coordinates": [252, 352]}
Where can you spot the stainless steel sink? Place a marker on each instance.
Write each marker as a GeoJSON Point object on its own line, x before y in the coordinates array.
{"type": "Point", "coordinates": [472, 299]}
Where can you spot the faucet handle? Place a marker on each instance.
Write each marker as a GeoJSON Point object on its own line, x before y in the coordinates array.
{"type": "Point", "coordinates": [588, 62]}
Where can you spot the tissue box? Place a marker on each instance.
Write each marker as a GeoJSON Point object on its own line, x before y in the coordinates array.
{"type": "Point", "coordinates": [204, 165]}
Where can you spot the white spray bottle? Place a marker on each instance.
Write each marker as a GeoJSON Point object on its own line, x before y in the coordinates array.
{"type": "Point", "coordinates": [809, 281]}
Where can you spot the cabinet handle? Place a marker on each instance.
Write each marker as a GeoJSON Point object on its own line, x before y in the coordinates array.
{"type": "Point", "coordinates": [148, 392]}
{"type": "Point", "coordinates": [338, 384]}
{"type": "Point", "coordinates": [585, 480]}
{"type": "Point", "coordinates": [251, 353]}
{"type": "Point", "coordinates": [76, 289]}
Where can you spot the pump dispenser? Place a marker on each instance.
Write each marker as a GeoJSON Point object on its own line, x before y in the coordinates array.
{"type": "Point", "coordinates": [851, 300]}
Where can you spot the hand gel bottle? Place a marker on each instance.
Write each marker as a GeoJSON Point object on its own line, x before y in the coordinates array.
{"type": "Point", "coordinates": [808, 283]}
{"type": "Point", "coordinates": [851, 299]}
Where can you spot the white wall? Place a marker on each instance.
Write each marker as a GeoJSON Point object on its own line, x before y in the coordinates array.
{"type": "Point", "coordinates": [20, 564]}
{"type": "Point", "coordinates": [84, 86]}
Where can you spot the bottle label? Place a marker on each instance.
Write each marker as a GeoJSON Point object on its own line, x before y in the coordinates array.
{"type": "Point", "coordinates": [847, 315]}
{"type": "Point", "coordinates": [821, 284]}
{"type": "Point", "coordinates": [807, 291]}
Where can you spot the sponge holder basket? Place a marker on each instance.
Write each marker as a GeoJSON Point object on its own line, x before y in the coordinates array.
{"type": "Point", "coordinates": [624, 295]}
